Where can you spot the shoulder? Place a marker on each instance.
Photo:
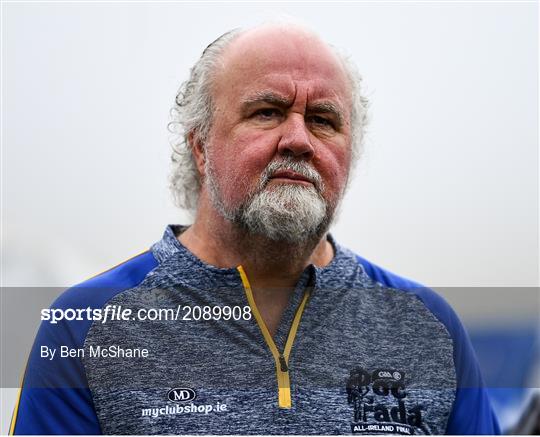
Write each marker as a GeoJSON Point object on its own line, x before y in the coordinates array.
{"type": "Point", "coordinates": [99, 289]}
{"type": "Point", "coordinates": [429, 298]}
{"type": "Point", "coordinates": [68, 320]}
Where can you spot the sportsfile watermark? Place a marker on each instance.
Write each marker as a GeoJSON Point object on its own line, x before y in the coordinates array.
{"type": "Point", "coordinates": [171, 410]}
{"type": "Point", "coordinates": [120, 313]}
{"type": "Point", "coordinates": [515, 309]}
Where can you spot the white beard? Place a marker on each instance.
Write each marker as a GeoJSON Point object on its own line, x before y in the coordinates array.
{"type": "Point", "coordinates": [292, 213]}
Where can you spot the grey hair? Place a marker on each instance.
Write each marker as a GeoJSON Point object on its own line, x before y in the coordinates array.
{"type": "Point", "coordinates": [193, 109]}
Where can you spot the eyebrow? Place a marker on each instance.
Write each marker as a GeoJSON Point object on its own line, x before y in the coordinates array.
{"type": "Point", "coordinates": [327, 108]}
{"type": "Point", "coordinates": [272, 98]}
{"type": "Point", "coordinates": [266, 97]}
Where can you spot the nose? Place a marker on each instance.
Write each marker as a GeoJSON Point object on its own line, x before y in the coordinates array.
{"type": "Point", "coordinates": [295, 138]}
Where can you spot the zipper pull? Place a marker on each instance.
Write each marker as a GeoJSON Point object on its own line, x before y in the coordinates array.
{"type": "Point", "coordinates": [283, 364]}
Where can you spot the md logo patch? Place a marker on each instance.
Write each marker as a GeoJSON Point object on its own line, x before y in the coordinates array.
{"type": "Point", "coordinates": [181, 394]}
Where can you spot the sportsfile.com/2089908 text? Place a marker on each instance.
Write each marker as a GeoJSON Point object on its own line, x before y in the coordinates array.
{"type": "Point", "coordinates": [119, 313]}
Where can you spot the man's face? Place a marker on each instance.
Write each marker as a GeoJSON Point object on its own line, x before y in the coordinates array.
{"type": "Point", "coordinates": [278, 153]}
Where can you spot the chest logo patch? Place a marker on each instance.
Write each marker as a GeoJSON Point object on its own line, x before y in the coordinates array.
{"type": "Point", "coordinates": [379, 401]}
{"type": "Point", "coordinates": [181, 394]}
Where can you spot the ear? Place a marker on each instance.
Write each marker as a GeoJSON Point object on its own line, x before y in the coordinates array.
{"type": "Point", "coordinates": [198, 151]}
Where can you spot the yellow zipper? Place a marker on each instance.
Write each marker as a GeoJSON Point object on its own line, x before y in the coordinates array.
{"type": "Point", "coordinates": [281, 359]}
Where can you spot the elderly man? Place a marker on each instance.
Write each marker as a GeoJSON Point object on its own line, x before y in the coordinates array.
{"type": "Point", "coordinates": [273, 328]}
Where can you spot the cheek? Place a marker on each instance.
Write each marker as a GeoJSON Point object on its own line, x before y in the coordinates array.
{"type": "Point", "coordinates": [333, 164]}
{"type": "Point", "coordinates": [240, 161]}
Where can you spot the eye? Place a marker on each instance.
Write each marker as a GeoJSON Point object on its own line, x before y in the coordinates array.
{"type": "Point", "coordinates": [267, 113]}
{"type": "Point", "coordinates": [320, 121]}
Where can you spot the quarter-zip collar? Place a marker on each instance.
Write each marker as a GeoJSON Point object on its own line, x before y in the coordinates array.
{"type": "Point", "coordinates": [178, 260]}
{"type": "Point", "coordinates": [170, 250]}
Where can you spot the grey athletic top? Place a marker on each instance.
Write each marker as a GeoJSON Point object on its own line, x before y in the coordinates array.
{"type": "Point", "coordinates": [358, 350]}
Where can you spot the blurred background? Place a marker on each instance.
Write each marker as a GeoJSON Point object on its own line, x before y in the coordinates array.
{"type": "Point", "coordinates": [445, 194]}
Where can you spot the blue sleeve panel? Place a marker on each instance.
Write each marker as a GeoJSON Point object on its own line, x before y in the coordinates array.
{"type": "Point", "coordinates": [472, 412]}
{"type": "Point", "coordinates": [54, 397]}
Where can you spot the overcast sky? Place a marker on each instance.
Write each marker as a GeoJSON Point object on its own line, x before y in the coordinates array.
{"type": "Point", "coordinates": [446, 193]}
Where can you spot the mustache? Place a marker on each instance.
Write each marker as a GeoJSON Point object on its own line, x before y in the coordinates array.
{"type": "Point", "coordinates": [300, 167]}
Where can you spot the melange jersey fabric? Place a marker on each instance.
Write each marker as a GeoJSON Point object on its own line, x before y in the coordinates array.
{"type": "Point", "coordinates": [358, 351]}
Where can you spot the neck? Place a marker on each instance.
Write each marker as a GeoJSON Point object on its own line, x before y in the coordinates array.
{"type": "Point", "coordinates": [267, 263]}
